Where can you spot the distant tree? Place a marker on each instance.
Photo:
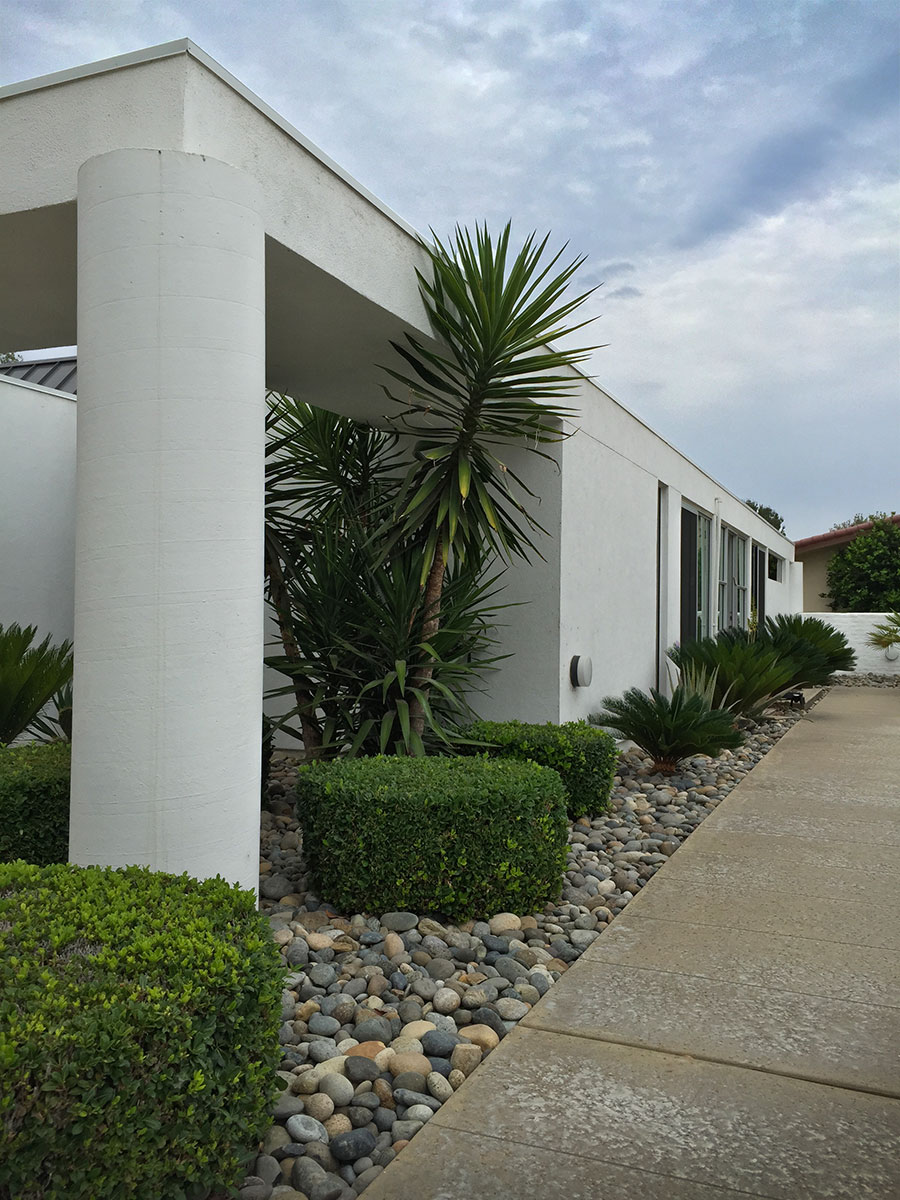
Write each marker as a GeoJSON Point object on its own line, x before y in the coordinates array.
{"type": "Point", "coordinates": [859, 519]}
{"type": "Point", "coordinates": [776, 520]}
{"type": "Point", "coordinates": [8, 356]}
{"type": "Point", "coordinates": [864, 575]}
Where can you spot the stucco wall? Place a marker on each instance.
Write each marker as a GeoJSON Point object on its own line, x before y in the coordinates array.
{"type": "Point", "coordinates": [37, 508]}
{"type": "Point", "coordinates": [856, 627]}
{"type": "Point", "coordinates": [616, 472]}
{"type": "Point", "coordinates": [815, 566]}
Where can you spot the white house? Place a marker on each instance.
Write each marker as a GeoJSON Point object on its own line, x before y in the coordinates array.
{"type": "Point", "coordinates": [198, 249]}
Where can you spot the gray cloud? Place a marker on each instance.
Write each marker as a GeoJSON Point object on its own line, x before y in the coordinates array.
{"type": "Point", "coordinates": [722, 150]}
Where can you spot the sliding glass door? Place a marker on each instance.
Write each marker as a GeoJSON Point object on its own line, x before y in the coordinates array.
{"type": "Point", "coordinates": [696, 537]}
{"type": "Point", "coordinates": [732, 580]}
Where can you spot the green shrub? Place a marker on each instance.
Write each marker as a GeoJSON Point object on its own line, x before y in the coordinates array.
{"type": "Point", "coordinates": [817, 648]}
{"type": "Point", "coordinates": [34, 803]}
{"type": "Point", "coordinates": [748, 674]}
{"type": "Point", "coordinates": [138, 1032]}
{"type": "Point", "coordinates": [864, 575]}
{"type": "Point", "coordinates": [584, 757]}
{"type": "Point", "coordinates": [461, 836]}
{"type": "Point", "coordinates": [670, 729]}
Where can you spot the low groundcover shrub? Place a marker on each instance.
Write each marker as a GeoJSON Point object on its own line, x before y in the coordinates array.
{"type": "Point", "coordinates": [34, 802]}
{"type": "Point", "coordinates": [584, 757]}
{"type": "Point", "coordinates": [138, 1032]}
{"type": "Point", "coordinates": [460, 836]}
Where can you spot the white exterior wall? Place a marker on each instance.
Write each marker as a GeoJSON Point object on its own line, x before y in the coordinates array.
{"type": "Point", "coordinates": [37, 508]}
{"type": "Point", "coordinates": [525, 686]}
{"type": "Point", "coordinates": [856, 627]}
{"type": "Point", "coordinates": [617, 475]}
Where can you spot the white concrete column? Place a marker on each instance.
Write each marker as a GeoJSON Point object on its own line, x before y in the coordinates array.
{"type": "Point", "coordinates": [169, 525]}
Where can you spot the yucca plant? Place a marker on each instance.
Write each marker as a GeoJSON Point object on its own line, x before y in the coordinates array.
{"type": "Point", "coordinates": [887, 633]}
{"type": "Point", "coordinates": [348, 596]}
{"type": "Point", "coordinates": [29, 677]}
{"type": "Point", "coordinates": [669, 730]}
{"type": "Point", "coordinates": [496, 381]}
{"type": "Point", "coordinates": [749, 675]}
{"type": "Point", "coordinates": [816, 648]}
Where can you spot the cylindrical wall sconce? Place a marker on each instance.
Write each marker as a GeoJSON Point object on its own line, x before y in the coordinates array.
{"type": "Point", "coordinates": [581, 670]}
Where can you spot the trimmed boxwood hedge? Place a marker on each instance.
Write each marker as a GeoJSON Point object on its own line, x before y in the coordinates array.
{"type": "Point", "coordinates": [585, 757]}
{"type": "Point", "coordinates": [139, 1017]}
{"type": "Point", "coordinates": [459, 836]}
{"type": "Point", "coordinates": [34, 802]}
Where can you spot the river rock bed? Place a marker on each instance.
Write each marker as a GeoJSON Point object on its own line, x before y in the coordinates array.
{"type": "Point", "coordinates": [385, 1015]}
{"type": "Point", "coordinates": [866, 679]}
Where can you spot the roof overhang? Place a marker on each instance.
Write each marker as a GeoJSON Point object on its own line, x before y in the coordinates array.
{"type": "Point", "coordinates": [340, 266]}
{"type": "Point", "coordinates": [837, 537]}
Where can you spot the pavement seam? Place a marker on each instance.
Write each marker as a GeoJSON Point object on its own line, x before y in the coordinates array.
{"type": "Point", "coordinates": [765, 987]}
{"type": "Point", "coordinates": [588, 1158]}
{"type": "Point", "coordinates": [805, 937]}
{"type": "Point", "coordinates": [735, 1064]}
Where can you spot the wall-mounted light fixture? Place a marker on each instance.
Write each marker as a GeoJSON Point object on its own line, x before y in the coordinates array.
{"type": "Point", "coordinates": [581, 670]}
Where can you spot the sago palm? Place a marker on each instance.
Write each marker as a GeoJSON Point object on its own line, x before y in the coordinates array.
{"type": "Point", "coordinates": [29, 677]}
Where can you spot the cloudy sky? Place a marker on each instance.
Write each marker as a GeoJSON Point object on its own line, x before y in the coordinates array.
{"type": "Point", "coordinates": [728, 166]}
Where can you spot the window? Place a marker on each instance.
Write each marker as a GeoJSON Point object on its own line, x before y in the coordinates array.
{"type": "Point", "coordinates": [758, 584]}
{"type": "Point", "coordinates": [732, 580]}
{"type": "Point", "coordinates": [696, 536]}
{"type": "Point", "coordinates": [776, 567]}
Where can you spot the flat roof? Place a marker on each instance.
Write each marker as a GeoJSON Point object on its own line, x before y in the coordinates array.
{"type": "Point", "coordinates": [185, 46]}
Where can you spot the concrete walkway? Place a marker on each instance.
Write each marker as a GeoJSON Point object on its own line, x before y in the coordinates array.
{"type": "Point", "coordinates": [736, 1031]}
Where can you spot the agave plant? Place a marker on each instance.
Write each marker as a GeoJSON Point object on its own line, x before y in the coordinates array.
{"type": "Point", "coordinates": [29, 677]}
{"type": "Point", "coordinates": [669, 730]}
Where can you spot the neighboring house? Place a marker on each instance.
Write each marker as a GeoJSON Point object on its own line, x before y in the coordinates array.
{"type": "Point", "coordinates": [815, 553]}
{"type": "Point", "coordinates": [209, 251]}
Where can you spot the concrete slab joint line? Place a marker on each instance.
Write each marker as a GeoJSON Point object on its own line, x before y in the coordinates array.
{"type": "Point", "coordinates": [716, 1043]}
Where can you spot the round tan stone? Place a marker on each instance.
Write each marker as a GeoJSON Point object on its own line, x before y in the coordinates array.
{"type": "Point", "coordinates": [337, 1124]}
{"type": "Point", "coordinates": [306, 1010]}
{"type": "Point", "coordinates": [406, 1045]}
{"type": "Point", "coordinates": [383, 1058]}
{"type": "Point", "coordinates": [393, 944]}
{"type": "Point", "coordinates": [409, 1062]}
{"type": "Point", "coordinates": [481, 1035]}
{"type": "Point", "coordinates": [382, 1090]}
{"type": "Point", "coordinates": [376, 985]}
{"type": "Point", "coordinates": [344, 944]}
{"type": "Point", "coordinates": [465, 1057]}
{"type": "Point", "coordinates": [368, 1049]}
{"type": "Point", "coordinates": [455, 1078]}
{"type": "Point", "coordinates": [417, 1029]}
{"type": "Point", "coordinates": [318, 941]}
{"type": "Point", "coordinates": [504, 923]}
{"type": "Point", "coordinates": [529, 923]}
{"type": "Point", "coordinates": [557, 964]}
{"type": "Point", "coordinates": [282, 937]}
{"type": "Point", "coordinates": [319, 1106]}
{"type": "Point", "coordinates": [401, 1145]}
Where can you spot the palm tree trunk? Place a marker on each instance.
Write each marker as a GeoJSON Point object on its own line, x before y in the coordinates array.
{"type": "Point", "coordinates": [278, 594]}
{"type": "Point", "coordinates": [431, 623]}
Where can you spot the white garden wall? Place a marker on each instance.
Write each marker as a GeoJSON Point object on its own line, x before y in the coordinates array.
{"type": "Point", "coordinates": [856, 627]}
{"type": "Point", "coordinates": [37, 508]}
